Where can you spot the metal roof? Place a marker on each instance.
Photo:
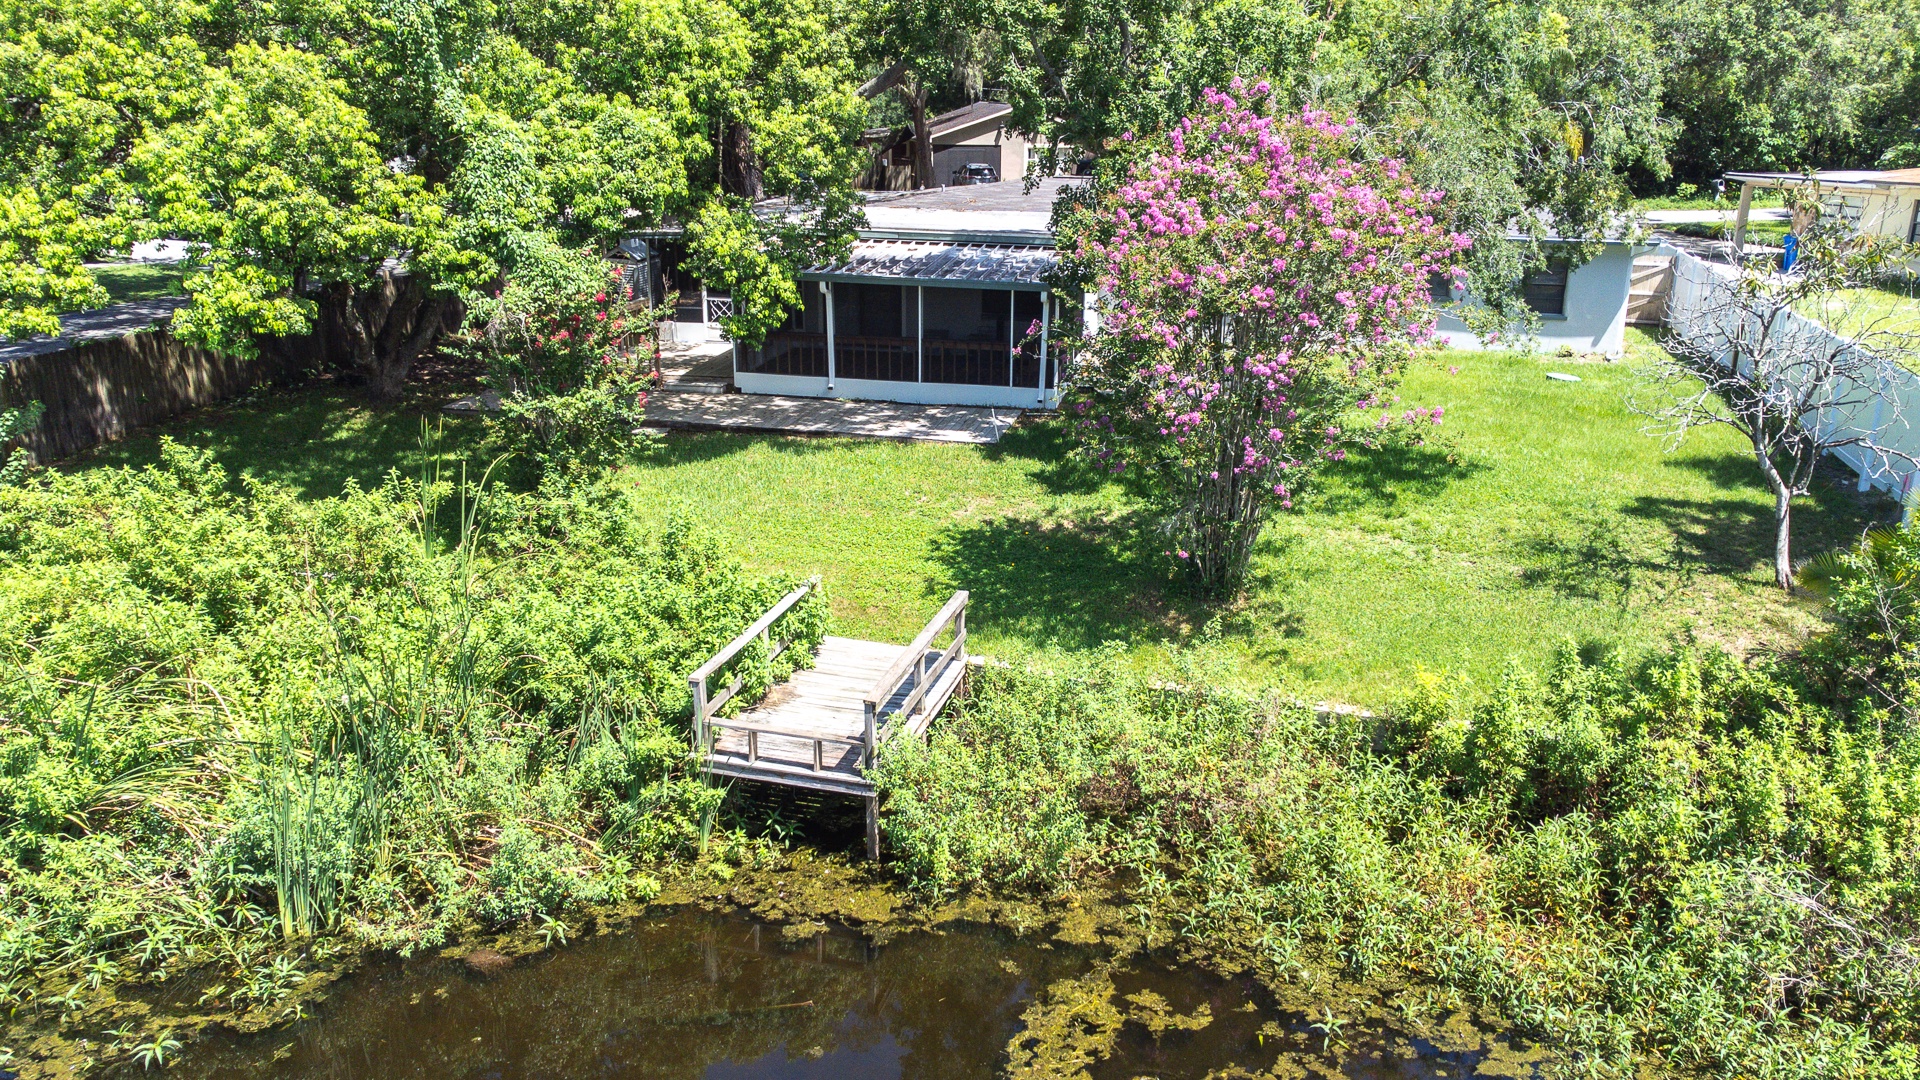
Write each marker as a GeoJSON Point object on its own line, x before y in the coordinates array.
{"type": "Point", "coordinates": [950, 262]}
{"type": "Point", "coordinates": [1868, 178]}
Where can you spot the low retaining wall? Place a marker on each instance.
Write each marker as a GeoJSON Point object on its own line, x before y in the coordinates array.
{"type": "Point", "coordinates": [100, 380]}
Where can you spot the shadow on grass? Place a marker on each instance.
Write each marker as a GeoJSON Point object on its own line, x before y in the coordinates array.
{"type": "Point", "coordinates": [1380, 478]}
{"type": "Point", "coordinates": [1066, 585]}
{"type": "Point", "coordinates": [1049, 444]}
{"type": "Point", "coordinates": [313, 440]}
{"type": "Point", "coordinates": [1604, 556]}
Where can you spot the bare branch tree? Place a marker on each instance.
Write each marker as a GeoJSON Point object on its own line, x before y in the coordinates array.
{"type": "Point", "coordinates": [1744, 354]}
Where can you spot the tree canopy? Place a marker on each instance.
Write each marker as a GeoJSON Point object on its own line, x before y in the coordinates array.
{"type": "Point", "coordinates": [377, 164]}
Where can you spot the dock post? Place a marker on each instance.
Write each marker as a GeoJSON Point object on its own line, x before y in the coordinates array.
{"type": "Point", "coordinates": [873, 827]}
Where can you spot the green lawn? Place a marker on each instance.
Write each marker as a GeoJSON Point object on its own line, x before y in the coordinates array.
{"type": "Point", "coordinates": [137, 281]}
{"type": "Point", "coordinates": [1891, 308]}
{"type": "Point", "coordinates": [1543, 515]}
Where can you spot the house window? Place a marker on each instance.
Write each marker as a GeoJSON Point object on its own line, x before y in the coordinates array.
{"type": "Point", "coordinates": [1440, 286]}
{"type": "Point", "coordinates": [1848, 208]}
{"type": "Point", "coordinates": [1913, 230]}
{"type": "Point", "coordinates": [1545, 290]}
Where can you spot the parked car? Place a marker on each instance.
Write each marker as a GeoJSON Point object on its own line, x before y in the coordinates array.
{"type": "Point", "coordinates": [976, 172]}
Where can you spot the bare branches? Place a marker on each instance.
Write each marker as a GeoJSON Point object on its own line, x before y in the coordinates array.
{"type": "Point", "coordinates": [1795, 362]}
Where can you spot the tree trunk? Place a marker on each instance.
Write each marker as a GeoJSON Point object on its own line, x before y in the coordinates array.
{"type": "Point", "coordinates": [1782, 548]}
{"type": "Point", "coordinates": [922, 139]}
{"type": "Point", "coordinates": [382, 329]}
{"type": "Point", "coordinates": [1782, 516]}
{"type": "Point", "coordinates": [739, 168]}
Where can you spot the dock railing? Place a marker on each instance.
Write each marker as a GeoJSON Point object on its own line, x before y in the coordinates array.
{"type": "Point", "coordinates": [704, 706]}
{"type": "Point", "coordinates": [925, 672]}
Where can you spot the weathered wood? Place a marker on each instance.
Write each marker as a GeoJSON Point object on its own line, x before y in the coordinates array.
{"type": "Point", "coordinates": [821, 728]}
{"type": "Point", "coordinates": [703, 707]}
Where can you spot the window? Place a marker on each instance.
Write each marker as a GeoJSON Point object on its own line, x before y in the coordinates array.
{"type": "Point", "coordinates": [1847, 208]}
{"type": "Point", "coordinates": [1545, 290]}
{"type": "Point", "coordinates": [1440, 286]}
{"type": "Point", "coordinates": [1913, 230]}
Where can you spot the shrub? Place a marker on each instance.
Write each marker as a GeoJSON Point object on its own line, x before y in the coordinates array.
{"type": "Point", "coordinates": [1675, 859]}
{"type": "Point", "coordinates": [231, 715]}
{"type": "Point", "coordinates": [570, 435]}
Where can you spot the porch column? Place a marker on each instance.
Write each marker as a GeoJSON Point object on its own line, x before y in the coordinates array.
{"type": "Point", "coordinates": [1046, 321]}
{"type": "Point", "coordinates": [1740, 218]}
{"type": "Point", "coordinates": [919, 333]}
{"type": "Point", "coordinates": [827, 287]}
{"type": "Point", "coordinates": [1013, 335]}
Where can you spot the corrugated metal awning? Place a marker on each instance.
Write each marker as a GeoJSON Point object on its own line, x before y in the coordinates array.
{"type": "Point", "coordinates": [949, 262]}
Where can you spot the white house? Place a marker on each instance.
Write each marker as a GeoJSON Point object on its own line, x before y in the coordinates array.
{"type": "Point", "coordinates": [943, 300]}
{"type": "Point", "coordinates": [1580, 307]}
{"type": "Point", "coordinates": [1875, 202]}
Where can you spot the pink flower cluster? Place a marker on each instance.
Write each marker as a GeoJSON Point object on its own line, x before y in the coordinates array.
{"type": "Point", "coordinates": [1258, 277]}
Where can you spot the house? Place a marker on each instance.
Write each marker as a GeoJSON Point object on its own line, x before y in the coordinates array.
{"type": "Point", "coordinates": [1582, 307]}
{"type": "Point", "coordinates": [975, 136]}
{"type": "Point", "coordinates": [944, 299]}
{"type": "Point", "coordinates": [1874, 202]}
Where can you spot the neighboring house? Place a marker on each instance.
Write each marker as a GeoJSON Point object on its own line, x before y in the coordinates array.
{"type": "Point", "coordinates": [943, 300]}
{"type": "Point", "coordinates": [1874, 202]}
{"type": "Point", "coordinates": [975, 136]}
{"type": "Point", "coordinates": [654, 264]}
{"type": "Point", "coordinates": [1583, 308]}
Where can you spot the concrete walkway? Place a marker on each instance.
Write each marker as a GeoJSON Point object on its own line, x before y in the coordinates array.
{"type": "Point", "coordinates": [830, 416]}
{"type": "Point", "coordinates": [777, 415]}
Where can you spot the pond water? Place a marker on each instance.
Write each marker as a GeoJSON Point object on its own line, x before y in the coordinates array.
{"type": "Point", "coordinates": [715, 996]}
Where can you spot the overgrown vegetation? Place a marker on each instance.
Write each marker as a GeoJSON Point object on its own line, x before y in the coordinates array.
{"type": "Point", "coordinates": [229, 719]}
{"type": "Point", "coordinates": [1669, 859]}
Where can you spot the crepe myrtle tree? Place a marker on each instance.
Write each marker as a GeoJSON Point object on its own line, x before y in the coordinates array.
{"type": "Point", "coordinates": [1259, 286]}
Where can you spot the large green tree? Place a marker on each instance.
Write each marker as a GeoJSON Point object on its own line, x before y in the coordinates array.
{"type": "Point", "coordinates": [1531, 114]}
{"type": "Point", "coordinates": [1786, 84]}
{"type": "Point", "coordinates": [370, 165]}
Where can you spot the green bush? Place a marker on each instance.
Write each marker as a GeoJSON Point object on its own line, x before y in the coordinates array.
{"type": "Point", "coordinates": [571, 435]}
{"type": "Point", "coordinates": [1676, 860]}
{"type": "Point", "coordinates": [229, 716]}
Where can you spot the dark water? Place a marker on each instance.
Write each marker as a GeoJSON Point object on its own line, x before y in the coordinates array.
{"type": "Point", "coordinates": [699, 994]}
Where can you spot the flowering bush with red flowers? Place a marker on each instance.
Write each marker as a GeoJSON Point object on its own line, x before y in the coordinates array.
{"type": "Point", "coordinates": [1257, 283]}
{"type": "Point", "coordinates": [557, 343]}
{"type": "Point", "coordinates": [558, 329]}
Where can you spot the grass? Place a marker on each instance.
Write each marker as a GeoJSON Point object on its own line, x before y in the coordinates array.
{"type": "Point", "coordinates": [1543, 514]}
{"type": "Point", "coordinates": [1889, 308]}
{"type": "Point", "coordinates": [1761, 200]}
{"type": "Point", "coordinates": [1770, 233]}
{"type": "Point", "coordinates": [137, 281]}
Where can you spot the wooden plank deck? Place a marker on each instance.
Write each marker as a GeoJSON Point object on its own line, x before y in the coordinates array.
{"type": "Point", "coordinates": [825, 700]}
{"type": "Point", "coordinates": [824, 727]}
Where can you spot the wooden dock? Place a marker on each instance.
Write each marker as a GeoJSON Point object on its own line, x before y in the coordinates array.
{"type": "Point", "coordinates": [822, 728]}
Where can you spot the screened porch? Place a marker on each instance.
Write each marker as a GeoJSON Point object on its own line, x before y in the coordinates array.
{"type": "Point", "coordinates": [919, 337]}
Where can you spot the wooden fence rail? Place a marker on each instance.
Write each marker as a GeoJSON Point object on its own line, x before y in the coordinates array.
{"type": "Point", "coordinates": [925, 671]}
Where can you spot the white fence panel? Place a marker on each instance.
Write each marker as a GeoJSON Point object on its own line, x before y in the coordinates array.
{"type": "Point", "coordinates": [1695, 281]}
